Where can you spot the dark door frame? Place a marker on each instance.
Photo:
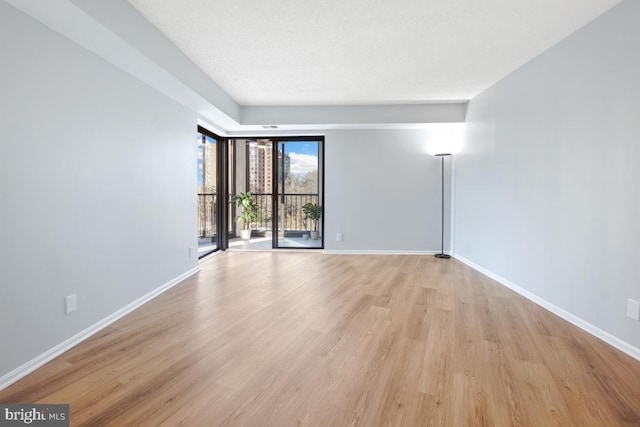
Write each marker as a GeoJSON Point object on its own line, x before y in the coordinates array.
{"type": "Point", "coordinates": [222, 190]}
{"type": "Point", "coordinates": [229, 144]}
{"type": "Point", "coordinates": [276, 190]}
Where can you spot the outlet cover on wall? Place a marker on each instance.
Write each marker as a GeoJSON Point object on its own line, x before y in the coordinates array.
{"type": "Point", "coordinates": [70, 303]}
{"type": "Point", "coordinates": [338, 237]}
{"type": "Point", "coordinates": [633, 309]}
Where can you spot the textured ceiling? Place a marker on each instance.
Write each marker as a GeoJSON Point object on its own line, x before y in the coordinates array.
{"type": "Point", "coordinates": [361, 52]}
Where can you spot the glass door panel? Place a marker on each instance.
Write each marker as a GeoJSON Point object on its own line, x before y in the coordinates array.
{"type": "Point", "coordinates": [260, 183]}
{"type": "Point", "coordinates": [207, 197]}
{"type": "Point", "coordinates": [299, 201]}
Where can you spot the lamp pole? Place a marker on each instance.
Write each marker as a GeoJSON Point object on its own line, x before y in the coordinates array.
{"type": "Point", "coordinates": [442, 254]}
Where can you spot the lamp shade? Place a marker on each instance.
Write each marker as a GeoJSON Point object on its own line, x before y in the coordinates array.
{"type": "Point", "coordinates": [445, 141]}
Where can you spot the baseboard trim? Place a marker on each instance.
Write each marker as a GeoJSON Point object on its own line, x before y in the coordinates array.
{"type": "Point", "coordinates": [379, 252]}
{"type": "Point", "coordinates": [616, 342]}
{"type": "Point", "coordinates": [24, 370]}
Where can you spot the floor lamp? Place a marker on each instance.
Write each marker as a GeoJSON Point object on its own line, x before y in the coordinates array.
{"type": "Point", "coordinates": [443, 143]}
{"type": "Point", "coordinates": [442, 254]}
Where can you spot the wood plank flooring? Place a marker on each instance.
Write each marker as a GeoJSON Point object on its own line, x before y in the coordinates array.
{"type": "Point", "coordinates": [289, 339]}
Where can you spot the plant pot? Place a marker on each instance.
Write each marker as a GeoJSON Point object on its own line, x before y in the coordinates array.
{"type": "Point", "coordinates": [245, 234]}
{"type": "Point", "coordinates": [314, 235]}
{"type": "Point", "coordinates": [305, 236]}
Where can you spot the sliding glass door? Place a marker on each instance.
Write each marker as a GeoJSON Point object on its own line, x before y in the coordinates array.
{"type": "Point", "coordinates": [284, 177]}
{"type": "Point", "coordinates": [299, 194]}
{"type": "Point", "coordinates": [212, 211]}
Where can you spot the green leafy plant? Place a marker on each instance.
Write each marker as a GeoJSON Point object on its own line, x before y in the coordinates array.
{"type": "Point", "coordinates": [249, 209]}
{"type": "Point", "coordinates": [313, 212]}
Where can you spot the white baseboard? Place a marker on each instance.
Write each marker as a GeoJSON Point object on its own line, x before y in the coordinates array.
{"type": "Point", "coordinates": [379, 252]}
{"type": "Point", "coordinates": [22, 371]}
{"type": "Point", "coordinates": [616, 342]}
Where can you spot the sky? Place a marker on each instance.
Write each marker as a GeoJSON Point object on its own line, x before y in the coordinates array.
{"type": "Point", "coordinates": [303, 155]}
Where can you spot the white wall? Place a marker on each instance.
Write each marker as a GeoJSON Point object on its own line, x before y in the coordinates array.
{"type": "Point", "coordinates": [453, 112]}
{"type": "Point", "coordinates": [547, 187]}
{"type": "Point", "coordinates": [97, 183]}
{"type": "Point", "coordinates": [383, 192]}
{"type": "Point", "coordinates": [121, 18]}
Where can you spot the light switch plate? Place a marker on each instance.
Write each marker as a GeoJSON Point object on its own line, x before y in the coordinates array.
{"type": "Point", "coordinates": [70, 303]}
{"type": "Point", "coordinates": [633, 309]}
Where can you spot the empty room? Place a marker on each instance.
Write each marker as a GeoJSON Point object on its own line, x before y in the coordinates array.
{"type": "Point", "coordinates": [319, 213]}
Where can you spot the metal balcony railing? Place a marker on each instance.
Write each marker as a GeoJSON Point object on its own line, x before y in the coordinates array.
{"type": "Point", "coordinates": [290, 207]}
{"type": "Point", "coordinates": [207, 217]}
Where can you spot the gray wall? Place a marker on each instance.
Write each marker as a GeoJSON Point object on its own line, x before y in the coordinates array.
{"type": "Point", "coordinates": [97, 176]}
{"type": "Point", "coordinates": [382, 191]}
{"type": "Point", "coordinates": [546, 191]}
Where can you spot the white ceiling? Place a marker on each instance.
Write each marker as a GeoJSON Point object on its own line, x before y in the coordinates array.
{"type": "Point", "coordinates": [363, 52]}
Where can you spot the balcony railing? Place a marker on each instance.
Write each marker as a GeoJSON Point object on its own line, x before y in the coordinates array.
{"type": "Point", "coordinates": [207, 217]}
{"type": "Point", "coordinates": [291, 208]}
{"type": "Point", "coordinates": [264, 210]}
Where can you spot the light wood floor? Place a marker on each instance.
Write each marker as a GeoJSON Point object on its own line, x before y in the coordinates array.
{"type": "Point", "coordinates": [286, 339]}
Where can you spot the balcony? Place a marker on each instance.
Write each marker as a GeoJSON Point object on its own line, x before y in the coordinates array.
{"type": "Point", "coordinates": [291, 226]}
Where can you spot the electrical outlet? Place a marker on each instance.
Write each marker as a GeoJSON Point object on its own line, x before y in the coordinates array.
{"type": "Point", "coordinates": [191, 252]}
{"type": "Point", "coordinates": [70, 304]}
{"type": "Point", "coordinates": [633, 309]}
{"type": "Point", "coordinates": [338, 237]}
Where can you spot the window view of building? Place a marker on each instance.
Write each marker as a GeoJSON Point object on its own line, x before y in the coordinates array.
{"type": "Point", "coordinates": [260, 163]}
{"type": "Point", "coordinates": [206, 164]}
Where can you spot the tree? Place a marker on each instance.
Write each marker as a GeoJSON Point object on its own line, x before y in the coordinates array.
{"type": "Point", "coordinates": [302, 183]}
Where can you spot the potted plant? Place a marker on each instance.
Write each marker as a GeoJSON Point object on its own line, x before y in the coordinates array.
{"type": "Point", "coordinates": [305, 234]}
{"type": "Point", "coordinates": [249, 213]}
{"type": "Point", "coordinates": [313, 212]}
